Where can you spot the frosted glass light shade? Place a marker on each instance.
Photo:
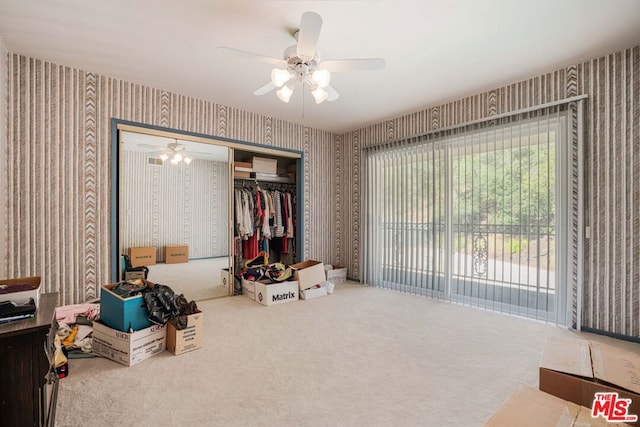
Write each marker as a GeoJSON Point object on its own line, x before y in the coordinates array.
{"type": "Point", "coordinates": [187, 160]}
{"type": "Point", "coordinates": [284, 93]}
{"type": "Point", "coordinates": [279, 76]}
{"type": "Point", "coordinates": [319, 94]}
{"type": "Point", "coordinates": [321, 77]}
{"type": "Point", "coordinates": [164, 157]}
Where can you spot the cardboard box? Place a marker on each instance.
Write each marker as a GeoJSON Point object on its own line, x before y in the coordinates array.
{"type": "Point", "coordinates": [188, 339]}
{"type": "Point", "coordinates": [586, 420]}
{"type": "Point", "coordinates": [249, 289]}
{"type": "Point", "coordinates": [123, 314]}
{"type": "Point", "coordinates": [530, 407]}
{"type": "Point", "coordinates": [20, 290]}
{"type": "Point", "coordinates": [264, 165]}
{"type": "Point", "coordinates": [243, 165]}
{"type": "Point", "coordinates": [309, 273]}
{"type": "Point", "coordinates": [133, 275]}
{"type": "Point", "coordinates": [142, 256]}
{"type": "Point", "coordinates": [575, 370]}
{"type": "Point", "coordinates": [336, 273]}
{"type": "Point", "coordinates": [128, 348]}
{"type": "Point", "coordinates": [240, 174]}
{"type": "Point", "coordinates": [176, 254]}
{"type": "Point", "coordinates": [276, 293]}
{"type": "Point", "coordinates": [314, 292]}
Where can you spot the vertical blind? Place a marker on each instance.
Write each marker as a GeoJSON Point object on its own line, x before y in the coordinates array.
{"type": "Point", "coordinates": [477, 215]}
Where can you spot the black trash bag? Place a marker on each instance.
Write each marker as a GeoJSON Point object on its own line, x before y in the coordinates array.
{"type": "Point", "coordinates": [185, 308]}
{"type": "Point", "coordinates": [161, 303]}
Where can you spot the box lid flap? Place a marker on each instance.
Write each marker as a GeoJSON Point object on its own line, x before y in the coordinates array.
{"type": "Point", "coordinates": [616, 366]}
{"type": "Point", "coordinates": [305, 264]}
{"type": "Point", "coordinates": [530, 407]}
{"type": "Point", "coordinates": [568, 355]}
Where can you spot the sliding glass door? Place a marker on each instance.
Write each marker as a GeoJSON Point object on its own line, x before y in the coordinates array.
{"type": "Point", "coordinates": [471, 216]}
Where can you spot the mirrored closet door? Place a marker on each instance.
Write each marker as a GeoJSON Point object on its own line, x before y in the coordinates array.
{"type": "Point", "coordinates": [174, 195]}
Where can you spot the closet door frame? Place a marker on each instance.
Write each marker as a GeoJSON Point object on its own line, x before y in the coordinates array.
{"type": "Point", "coordinates": [118, 125]}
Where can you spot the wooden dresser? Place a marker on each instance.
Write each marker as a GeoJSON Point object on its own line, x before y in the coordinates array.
{"type": "Point", "coordinates": [25, 393]}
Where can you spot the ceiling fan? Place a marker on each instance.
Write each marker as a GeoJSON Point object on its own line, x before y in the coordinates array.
{"type": "Point", "coordinates": [175, 152]}
{"type": "Point", "coordinates": [302, 64]}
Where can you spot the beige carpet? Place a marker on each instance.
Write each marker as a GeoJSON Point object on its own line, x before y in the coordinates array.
{"type": "Point", "coordinates": [197, 279]}
{"type": "Point", "coordinates": [360, 357]}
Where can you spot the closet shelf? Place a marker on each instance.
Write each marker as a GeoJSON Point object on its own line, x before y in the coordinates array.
{"type": "Point", "coordinates": [262, 178]}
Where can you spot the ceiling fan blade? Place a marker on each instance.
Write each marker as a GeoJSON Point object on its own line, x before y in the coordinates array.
{"type": "Point", "coordinates": [250, 55]}
{"type": "Point", "coordinates": [310, 26]}
{"type": "Point", "coordinates": [265, 89]}
{"type": "Point", "coordinates": [151, 147]}
{"type": "Point", "coordinates": [199, 153]}
{"type": "Point", "coordinates": [367, 64]}
{"type": "Point", "coordinates": [332, 94]}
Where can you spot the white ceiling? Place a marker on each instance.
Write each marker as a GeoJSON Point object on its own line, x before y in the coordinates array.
{"type": "Point", "coordinates": [435, 50]}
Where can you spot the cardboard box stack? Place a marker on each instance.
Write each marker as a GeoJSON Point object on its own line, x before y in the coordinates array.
{"type": "Point", "coordinates": [127, 336]}
{"type": "Point", "coordinates": [124, 333]}
{"type": "Point", "coordinates": [242, 169]}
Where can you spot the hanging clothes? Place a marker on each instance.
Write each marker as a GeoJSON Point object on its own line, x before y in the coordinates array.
{"type": "Point", "coordinates": [264, 220]}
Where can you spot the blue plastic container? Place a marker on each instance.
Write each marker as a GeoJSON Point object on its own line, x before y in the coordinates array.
{"type": "Point", "coordinates": [123, 314]}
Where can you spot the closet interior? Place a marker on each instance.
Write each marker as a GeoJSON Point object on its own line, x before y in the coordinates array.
{"type": "Point", "coordinates": [266, 202]}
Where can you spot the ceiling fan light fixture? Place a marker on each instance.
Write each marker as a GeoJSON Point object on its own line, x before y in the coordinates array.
{"type": "Point", "coordinates": [164, 157]}
{"type": "Point", "coordinates": [321, 77]}
{"type": "Point", "coordinates": [279, 76]}
{"type": "Point", "coordinates": [174, 161]}
{"type": "Point", "coordinates": [177, 157]}
{"type": "Point", "coordinates": [187, 160]}
{"type": "Point", "coordinates": [319, 94]}
{"type": "Point", "coordinates": [284, 93]}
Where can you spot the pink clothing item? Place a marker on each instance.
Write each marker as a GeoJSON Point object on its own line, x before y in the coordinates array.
{"type": "Point", "coordinates": [68, 313]}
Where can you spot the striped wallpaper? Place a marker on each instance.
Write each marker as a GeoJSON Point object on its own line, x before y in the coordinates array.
{"type": "Point", "coordinates": [59, 165]}
{"type": "Point", "coordinates": [4, 224]}
{"type": "Point", "coordinates": [174, 205]}
{"type": "Point", "coordinates": [611, 285]}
